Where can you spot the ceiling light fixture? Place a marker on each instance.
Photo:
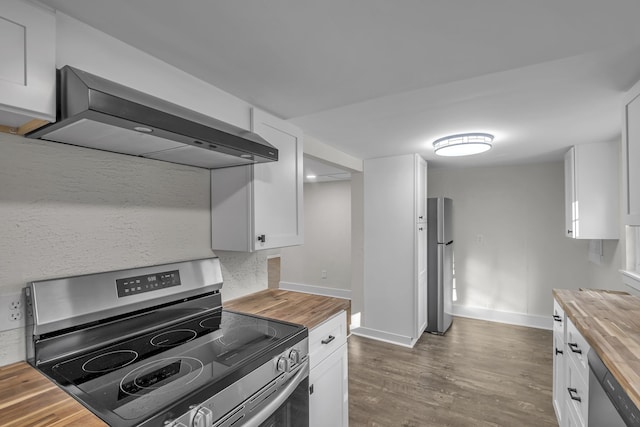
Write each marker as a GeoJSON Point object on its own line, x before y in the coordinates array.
{"type": "Point", "coordinates": [463, 144]}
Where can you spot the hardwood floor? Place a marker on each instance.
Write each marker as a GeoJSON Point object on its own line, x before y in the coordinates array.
{"type": "Point", "coordinates": [478, 374]}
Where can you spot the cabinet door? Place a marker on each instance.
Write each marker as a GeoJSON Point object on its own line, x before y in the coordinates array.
{"type": "Point", "coordinates": [559, 390]}
{"type": "Point", "coordinates": [631, 157]}
{"type": "Point", "coordinates": [328, 391]}
{"type": "Point", "coordinates": [421, 189]}
{"type": "Point", "coordinates": [569, 193]}
{"type": "Point", "coordinates": [27, 69]}
{"type": "Point", "coordinates": [591, 208]}
{"type": "Point", "coordinates": [421, 291]}
{"type": "Point", "coordinates": [278, 208]}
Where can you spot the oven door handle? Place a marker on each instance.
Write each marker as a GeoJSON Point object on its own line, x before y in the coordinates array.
{"type": "Point", "coordinates": [283, 395]}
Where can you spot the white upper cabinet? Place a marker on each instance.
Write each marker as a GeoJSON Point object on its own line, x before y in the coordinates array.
{"type": "Point", "coordinates": [591, 191]}
{"type": "Point", "coordinates": [421, 190]}
{"type": "Point", "coordinates": [631, 156]}
{"type": "Point", "coordinates": [27, 69]}
{"type": "Point", "coordinates": [260, 206]}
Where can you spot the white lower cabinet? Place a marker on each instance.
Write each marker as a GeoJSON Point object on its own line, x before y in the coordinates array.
{"type": "Point", "coordinates": [328, 377]}
{"type": "Point", "coordinates": [570, 372]}
{"type": "Point", "coordinates": [559, 360]}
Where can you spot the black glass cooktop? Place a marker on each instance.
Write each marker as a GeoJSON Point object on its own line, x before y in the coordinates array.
{"type": "Point", "coordinates": [142, 375]}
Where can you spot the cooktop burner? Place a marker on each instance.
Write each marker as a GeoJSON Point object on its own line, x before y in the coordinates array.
{"type": "Point", "coordinates": [174, 337]}
{"type": "Point", "coordinates": [109, 361]}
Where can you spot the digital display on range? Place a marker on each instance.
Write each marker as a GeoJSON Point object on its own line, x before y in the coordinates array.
{"type": "Point", "coordinates": [147, 283]}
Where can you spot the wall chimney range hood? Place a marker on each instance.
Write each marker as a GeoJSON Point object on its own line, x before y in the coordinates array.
{"type": "Point", "coordinates": [97, 113]}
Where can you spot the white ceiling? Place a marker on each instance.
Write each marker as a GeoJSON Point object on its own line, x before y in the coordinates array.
{"type": "Point", "coordinates": [382, 77]}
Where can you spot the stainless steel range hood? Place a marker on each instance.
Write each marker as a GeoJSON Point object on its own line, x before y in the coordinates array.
{"type": "Point", "coordinates": [97, 113]}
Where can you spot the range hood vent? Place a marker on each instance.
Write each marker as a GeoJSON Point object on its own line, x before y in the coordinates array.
{"type": "Point", "coordinates": [97, 113]}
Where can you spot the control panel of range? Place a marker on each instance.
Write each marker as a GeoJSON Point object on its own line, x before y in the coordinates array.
{"type": "Point", "coordinates": [147, 283]}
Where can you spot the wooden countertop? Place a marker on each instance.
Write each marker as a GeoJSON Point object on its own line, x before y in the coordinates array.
{"type": "Point", "coordinates": [610, 322]}
{"type": "Point", "coordinates": [295, 307]}
{"type": "Point", "coordinates": [28, 398]}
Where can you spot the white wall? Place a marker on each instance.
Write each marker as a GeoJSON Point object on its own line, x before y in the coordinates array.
{"type": "Point", "coordinates": [327, 240]}
{"type": "Point", "coordinates": [510, 249]}
{"type": "Point", "coordinates": [68, 210]}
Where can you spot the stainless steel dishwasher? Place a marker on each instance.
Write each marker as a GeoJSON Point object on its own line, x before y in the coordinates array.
{"type": "Point", "coordinates": [609, 404]}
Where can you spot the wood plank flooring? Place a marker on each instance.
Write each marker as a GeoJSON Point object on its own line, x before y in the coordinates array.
{"type": "Point", "coordinates": [478, 374]}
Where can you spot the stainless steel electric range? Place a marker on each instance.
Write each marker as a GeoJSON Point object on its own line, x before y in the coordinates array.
{"type": "Point", "coordinates": [152, 346]}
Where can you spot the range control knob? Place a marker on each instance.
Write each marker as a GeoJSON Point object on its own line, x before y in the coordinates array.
{"type": "Point", "coordinates": [294, 356]}
{"type": "Point", "coordinates": [283, 364]}
{"type": "Point", "coordinates": [202, 418]}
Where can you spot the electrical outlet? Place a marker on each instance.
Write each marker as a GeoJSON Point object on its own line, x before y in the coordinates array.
{"type": "Point", "coordinates": [12, 311]}
{"type": "Point", "coordinates": [324, 274]}
{"type": "Point", "coordinates": [15, 316]}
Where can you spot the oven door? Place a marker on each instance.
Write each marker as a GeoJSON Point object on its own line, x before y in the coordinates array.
{"type": "Point", "coordinates": [289, 407]}
{"type": "Point", "coordinates": [294, 411]}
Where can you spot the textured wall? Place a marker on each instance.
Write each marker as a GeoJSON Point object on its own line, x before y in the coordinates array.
{"type": "Point", "coordinates": [510, 248]}
{"type": "Point", "coordinates": [67, 210]}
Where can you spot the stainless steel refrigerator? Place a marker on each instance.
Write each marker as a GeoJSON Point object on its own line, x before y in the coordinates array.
{"type": "Point", "coordinates": [440, 264]}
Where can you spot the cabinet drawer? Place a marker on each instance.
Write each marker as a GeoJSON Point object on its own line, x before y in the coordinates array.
{"type": "Point", "coordinates": [577, 390]}
{"type": "Point", "coordinates": [558, 318]}
{"type": "Point", "coordinates": [576, 348]}
{"type": "Point", "coordinates": [327, 337]}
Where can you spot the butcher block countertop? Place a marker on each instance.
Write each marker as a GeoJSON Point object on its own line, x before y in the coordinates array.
{"type": "Point", "coordinates": [28, 398]}
{"type": "Point", "coordinates": [610, 322]}
{"type": "Point", "coordinates": [295, 307]}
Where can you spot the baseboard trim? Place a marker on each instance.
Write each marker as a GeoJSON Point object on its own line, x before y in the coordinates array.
{"type": "Point", "coordinates": [317, 290]}
{"type": "Point", "coordinates": [387, 337]}
{"type": "Point", "coordinates": [520, 319]}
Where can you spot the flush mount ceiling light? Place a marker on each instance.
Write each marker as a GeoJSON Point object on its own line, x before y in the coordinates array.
{"type": "Point", "coordinates": [463, 144]}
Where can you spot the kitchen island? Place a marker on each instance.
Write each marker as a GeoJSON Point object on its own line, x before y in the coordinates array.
{"type": "Point", "coordinates": [28, 398]}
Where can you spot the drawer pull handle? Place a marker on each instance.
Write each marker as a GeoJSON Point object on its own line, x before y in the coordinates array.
{"type": "Point", "coordinates": [559, 352]}
{"type": "Point", "coordinates": [574, 347]}
{"type": "Point", "coordinates": [557, 318]}
{"type": "Point", "coordinates": [328, 340]}
{"type": "Point", "coordinates": [571, 394]}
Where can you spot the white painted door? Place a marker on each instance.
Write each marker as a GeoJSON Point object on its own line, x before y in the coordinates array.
{"type": "Point", "coordinates": [421, 261]}
{"type": "Point", "coordinates": [569, 193]}
{"type": "Point", "coordinates": [27, 68]}
{"type": "Point", "coordinates": [631, 146]}
{"type": "Point", "coordinates": [421, 189]}
{"type": "Point", "coordinates": [277, 186]}
{"type": "Point", "coordinates": [328, 391]}
{"type": "Point", "coordinates": [558, 377]}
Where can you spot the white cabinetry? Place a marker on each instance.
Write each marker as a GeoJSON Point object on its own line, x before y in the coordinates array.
{"type": "Point", "coordinates": [27, 68]}
{"type": "Point", "coordinates": [576, 375]}
{"type": "Point", "coordinates": [559, 360]}
{"type": "Point", "coordinates": [631, 156]}
{"type": "Point", "coordinates": [591, 191]}
{"type": "Point", "coordinates": [570, 371]}
{"type": "Point", "coordinates": [328, 376]}
{"type": "Point", "coordinates": [395, 249]}
{"type": "Point", "coordinates": [260, 206]}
